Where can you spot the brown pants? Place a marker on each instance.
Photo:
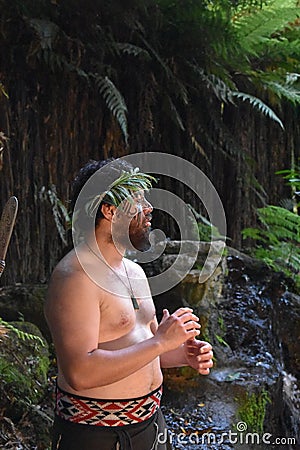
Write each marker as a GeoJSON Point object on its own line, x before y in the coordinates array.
{"type": "Point", "coordinates": [148, 435]}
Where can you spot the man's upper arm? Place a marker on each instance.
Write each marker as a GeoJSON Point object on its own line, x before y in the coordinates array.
{"type": "Point", "coordinates": [73, 313]}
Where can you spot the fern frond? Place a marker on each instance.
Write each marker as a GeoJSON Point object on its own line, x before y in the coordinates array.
{"type": "Point", "coordinates": [222, 89]}
{"type": "Point", "coordinates": [114, 101]}
{"type": "Point", "coordinates": [23, 335]}
{"type": "Point", "coordinates": [256, 29]}
{"type": "Point", "coordinates": [284, 224]}
{"type": "Point", "coordinates": [258, 104]}
{"type": "Point", "coordinates": [286, 91]}
{"type": "Point", "coordinates": [219, 87]}
{"type": "Point", "coordinates": [133, 50]}
{"type": "Point", "coordinates": [159, 59]}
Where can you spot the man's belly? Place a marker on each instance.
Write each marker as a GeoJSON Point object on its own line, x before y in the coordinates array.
{"type": "Point", "coordinates": [136, 385]}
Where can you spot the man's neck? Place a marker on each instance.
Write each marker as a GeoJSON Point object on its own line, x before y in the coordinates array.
{"type": "Point", "coordinates": [107, 249]}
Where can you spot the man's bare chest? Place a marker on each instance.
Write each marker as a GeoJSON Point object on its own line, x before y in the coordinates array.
{"type": "Point", "coordinates": [118, 317]}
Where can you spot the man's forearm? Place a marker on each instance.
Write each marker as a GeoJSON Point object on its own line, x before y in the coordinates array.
{"type": "Point", "coordinates": [173, 358]}
{"type": "Point", "coordinates": [103, 367]}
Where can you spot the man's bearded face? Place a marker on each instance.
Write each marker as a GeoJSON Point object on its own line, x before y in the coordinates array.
{"type": "Point", "coordinates": [132, 225]}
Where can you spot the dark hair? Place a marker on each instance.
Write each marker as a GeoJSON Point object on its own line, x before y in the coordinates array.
{"type": "Point", "coordinates": [111, 170]}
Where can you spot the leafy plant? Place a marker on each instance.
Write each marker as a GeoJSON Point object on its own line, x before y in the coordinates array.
{"type": "Point", "coordinates": [23, 335]}
{"type": "Point", "coordinates": [292, 177]}
{"type": "Point", "coordinates": [277, 242]}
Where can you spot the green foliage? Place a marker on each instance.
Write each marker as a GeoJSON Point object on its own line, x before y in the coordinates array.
{"type": "Point", "coordinates": [12, 378]}
{"type": "Point", "coordinates": [269, 36]}
{"type": "Point", "coordinates": [292, 177]}
{"type": "Point", "coordinates": [221, 340]}
{"type": "Point", "coordinates": [278, 240]}
{"type": "Point", "coordinates": [23, 335]}
{"type": "Point", "coordinates": [252, 410]}
{"type": "Point", "coordinates": [257, 30]}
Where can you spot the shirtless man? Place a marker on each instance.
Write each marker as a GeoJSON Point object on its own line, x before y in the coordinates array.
{"type": "Point", "coordinates": [110, 348]}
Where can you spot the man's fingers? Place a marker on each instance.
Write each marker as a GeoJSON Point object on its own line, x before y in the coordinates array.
{"type": "Point", "coordinates": [206, 364]}
{"type": "Point", "coordinates": [206, 357]}
{"type": "Point", "coordinates": [165, 313]}
{"type": "Point", "coordinates": [205, 348]}
{"type": "Point", "coordinates": [204, 371]}
{"type": "Point", "coordinates": [179, 312]}
{"type": "Point", "coordinates": [192, 333]}
{"type": "Point", "coordinates": [202, 348]}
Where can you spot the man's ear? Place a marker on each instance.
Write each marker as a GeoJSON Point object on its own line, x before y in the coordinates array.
{"type": "Point", "coordinates": [108, 211]}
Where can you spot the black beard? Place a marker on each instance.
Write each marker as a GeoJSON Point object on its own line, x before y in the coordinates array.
{"type": "Point", "coordinates": [140, 241]}
{"type": "Point", "coordinates": [135, 239]}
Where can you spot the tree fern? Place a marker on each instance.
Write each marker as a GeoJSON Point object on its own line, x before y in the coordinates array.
{"type": "Point", "coordinates": [114, 101]}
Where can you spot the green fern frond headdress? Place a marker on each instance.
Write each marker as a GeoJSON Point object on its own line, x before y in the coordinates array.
{"type": "Point", "coordinates": [121, 189]}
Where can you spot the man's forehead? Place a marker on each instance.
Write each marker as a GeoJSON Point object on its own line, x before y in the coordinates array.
{"type": "Point", "coordinates": [139, 193]}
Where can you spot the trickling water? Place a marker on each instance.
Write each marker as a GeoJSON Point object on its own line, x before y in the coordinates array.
{"type": "Point", "coordinates": [291, 396]}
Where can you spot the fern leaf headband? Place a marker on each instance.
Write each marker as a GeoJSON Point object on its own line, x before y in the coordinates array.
{"type": "Point", "coordinates": [122, 189]}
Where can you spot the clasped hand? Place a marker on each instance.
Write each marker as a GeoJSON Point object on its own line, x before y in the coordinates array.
{"type": "Point", "coordinates": [182, 327]}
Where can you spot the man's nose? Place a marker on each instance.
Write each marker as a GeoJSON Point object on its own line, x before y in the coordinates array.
{"type": "Point", "coordinates": [147, 207]}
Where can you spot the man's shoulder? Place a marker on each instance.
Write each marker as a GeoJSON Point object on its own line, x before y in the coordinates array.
{"type": "Point", "coordinates": [68, 268]}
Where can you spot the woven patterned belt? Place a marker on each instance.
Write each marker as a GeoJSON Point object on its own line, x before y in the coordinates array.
{"type": "Point", "coordinates": [110, 413]}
